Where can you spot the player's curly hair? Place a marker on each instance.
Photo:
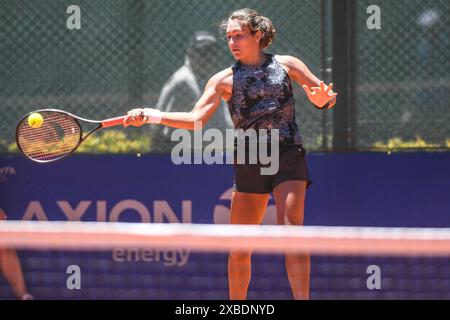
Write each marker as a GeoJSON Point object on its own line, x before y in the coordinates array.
{"type": "Point", "coordinates": [255, 22]}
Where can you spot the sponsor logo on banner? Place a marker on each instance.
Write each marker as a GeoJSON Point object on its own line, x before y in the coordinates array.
{"type": "Point", "coordinates": [5, 172]}
{"type": "Point", "coordinates": [162, 213]}
{"type": "Point", "coordinates": [129, 208]}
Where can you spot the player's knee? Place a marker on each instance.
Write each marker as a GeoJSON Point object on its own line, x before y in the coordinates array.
{"type": "Point", "coordinates": [3, 215]}
{"type": "Point", "coordinates": [294, 217]}
{"type": "Point", "coordinates": [290, 217]}
{"type": "Point", "coordinates": [295, 221]}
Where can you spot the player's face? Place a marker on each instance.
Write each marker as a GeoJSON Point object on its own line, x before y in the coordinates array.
{"type": "Point", "coordinates": [241, 42]}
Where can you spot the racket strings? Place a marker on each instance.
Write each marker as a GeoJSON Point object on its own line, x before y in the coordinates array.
{"type": "Point", "coordinates": [58, 136]}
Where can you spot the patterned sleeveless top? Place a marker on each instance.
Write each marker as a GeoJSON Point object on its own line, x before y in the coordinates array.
{"type": "Point", "coordinates": [262, 99]}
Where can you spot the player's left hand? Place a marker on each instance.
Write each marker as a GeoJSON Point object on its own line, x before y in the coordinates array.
{"type": "Point", "coordinates": [322, 96]}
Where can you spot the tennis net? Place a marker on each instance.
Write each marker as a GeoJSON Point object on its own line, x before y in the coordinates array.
{"type": "Point", "coordinates": [189, 261]}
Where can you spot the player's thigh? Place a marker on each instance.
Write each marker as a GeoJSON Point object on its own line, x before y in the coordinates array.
{"type": "Point", "coordinates": [290, 201]}
{"type": "Point", "coordinates": [248, 208]}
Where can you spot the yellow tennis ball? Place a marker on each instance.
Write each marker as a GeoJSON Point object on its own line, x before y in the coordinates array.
{"type": "Point", "coordinates": [35, 120]}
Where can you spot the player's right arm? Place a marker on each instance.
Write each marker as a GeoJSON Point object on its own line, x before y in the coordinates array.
{"type": "Point", "coordinates": [218, 87]}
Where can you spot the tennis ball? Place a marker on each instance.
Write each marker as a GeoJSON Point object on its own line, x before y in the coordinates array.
{"type": "Point", "coordinates": [35, 120]}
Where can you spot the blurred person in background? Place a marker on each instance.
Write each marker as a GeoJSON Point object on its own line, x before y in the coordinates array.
{"type": "Point", "coordinates": [186, 85]}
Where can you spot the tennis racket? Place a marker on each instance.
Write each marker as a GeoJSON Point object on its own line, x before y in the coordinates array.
{"type": "Point", "coordinates": [59, 135]}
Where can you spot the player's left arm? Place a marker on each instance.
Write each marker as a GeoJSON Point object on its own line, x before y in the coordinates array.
{"type": "Point", "coordinates": [320, 94]}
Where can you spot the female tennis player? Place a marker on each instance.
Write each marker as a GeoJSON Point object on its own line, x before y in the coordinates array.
{"type": "Point", "coordinates": [259, 94]}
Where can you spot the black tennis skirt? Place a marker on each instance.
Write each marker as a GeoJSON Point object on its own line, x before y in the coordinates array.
{"type": "Point", "coordinates": [292, 166]}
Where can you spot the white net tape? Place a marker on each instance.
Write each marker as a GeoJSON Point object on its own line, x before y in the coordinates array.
{"type": "Point", "coordinates": [216, 238]}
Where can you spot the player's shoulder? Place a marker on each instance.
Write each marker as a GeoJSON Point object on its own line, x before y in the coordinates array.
{"type": "Point", "coordinates": [290, 63]}
{"type": "Point", "coordinates": [223, 75]}
{"type": "Point", "coordinates": [288, 60]}
{"type": "Point", "coordinates": [222, 78]}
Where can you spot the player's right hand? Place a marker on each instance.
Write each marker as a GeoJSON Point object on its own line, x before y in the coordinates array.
{"type": "Point", "coordinates": [140, 116]}
{"type": "Point", "coordinates": [135, 117]}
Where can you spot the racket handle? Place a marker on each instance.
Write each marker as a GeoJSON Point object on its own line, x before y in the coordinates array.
{"type": "Point", "coordinates": [112, 122]}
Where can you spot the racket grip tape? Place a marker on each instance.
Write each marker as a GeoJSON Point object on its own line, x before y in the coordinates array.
{"type": "Point", "coordinates": [112, 122]}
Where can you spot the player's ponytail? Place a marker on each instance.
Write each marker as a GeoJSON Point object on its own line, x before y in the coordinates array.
{"type": "Point", "coordinates": [265, 25]}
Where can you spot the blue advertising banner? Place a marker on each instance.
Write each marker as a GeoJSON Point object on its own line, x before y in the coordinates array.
{"type": "Point", "coordinates": [363, 189]}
